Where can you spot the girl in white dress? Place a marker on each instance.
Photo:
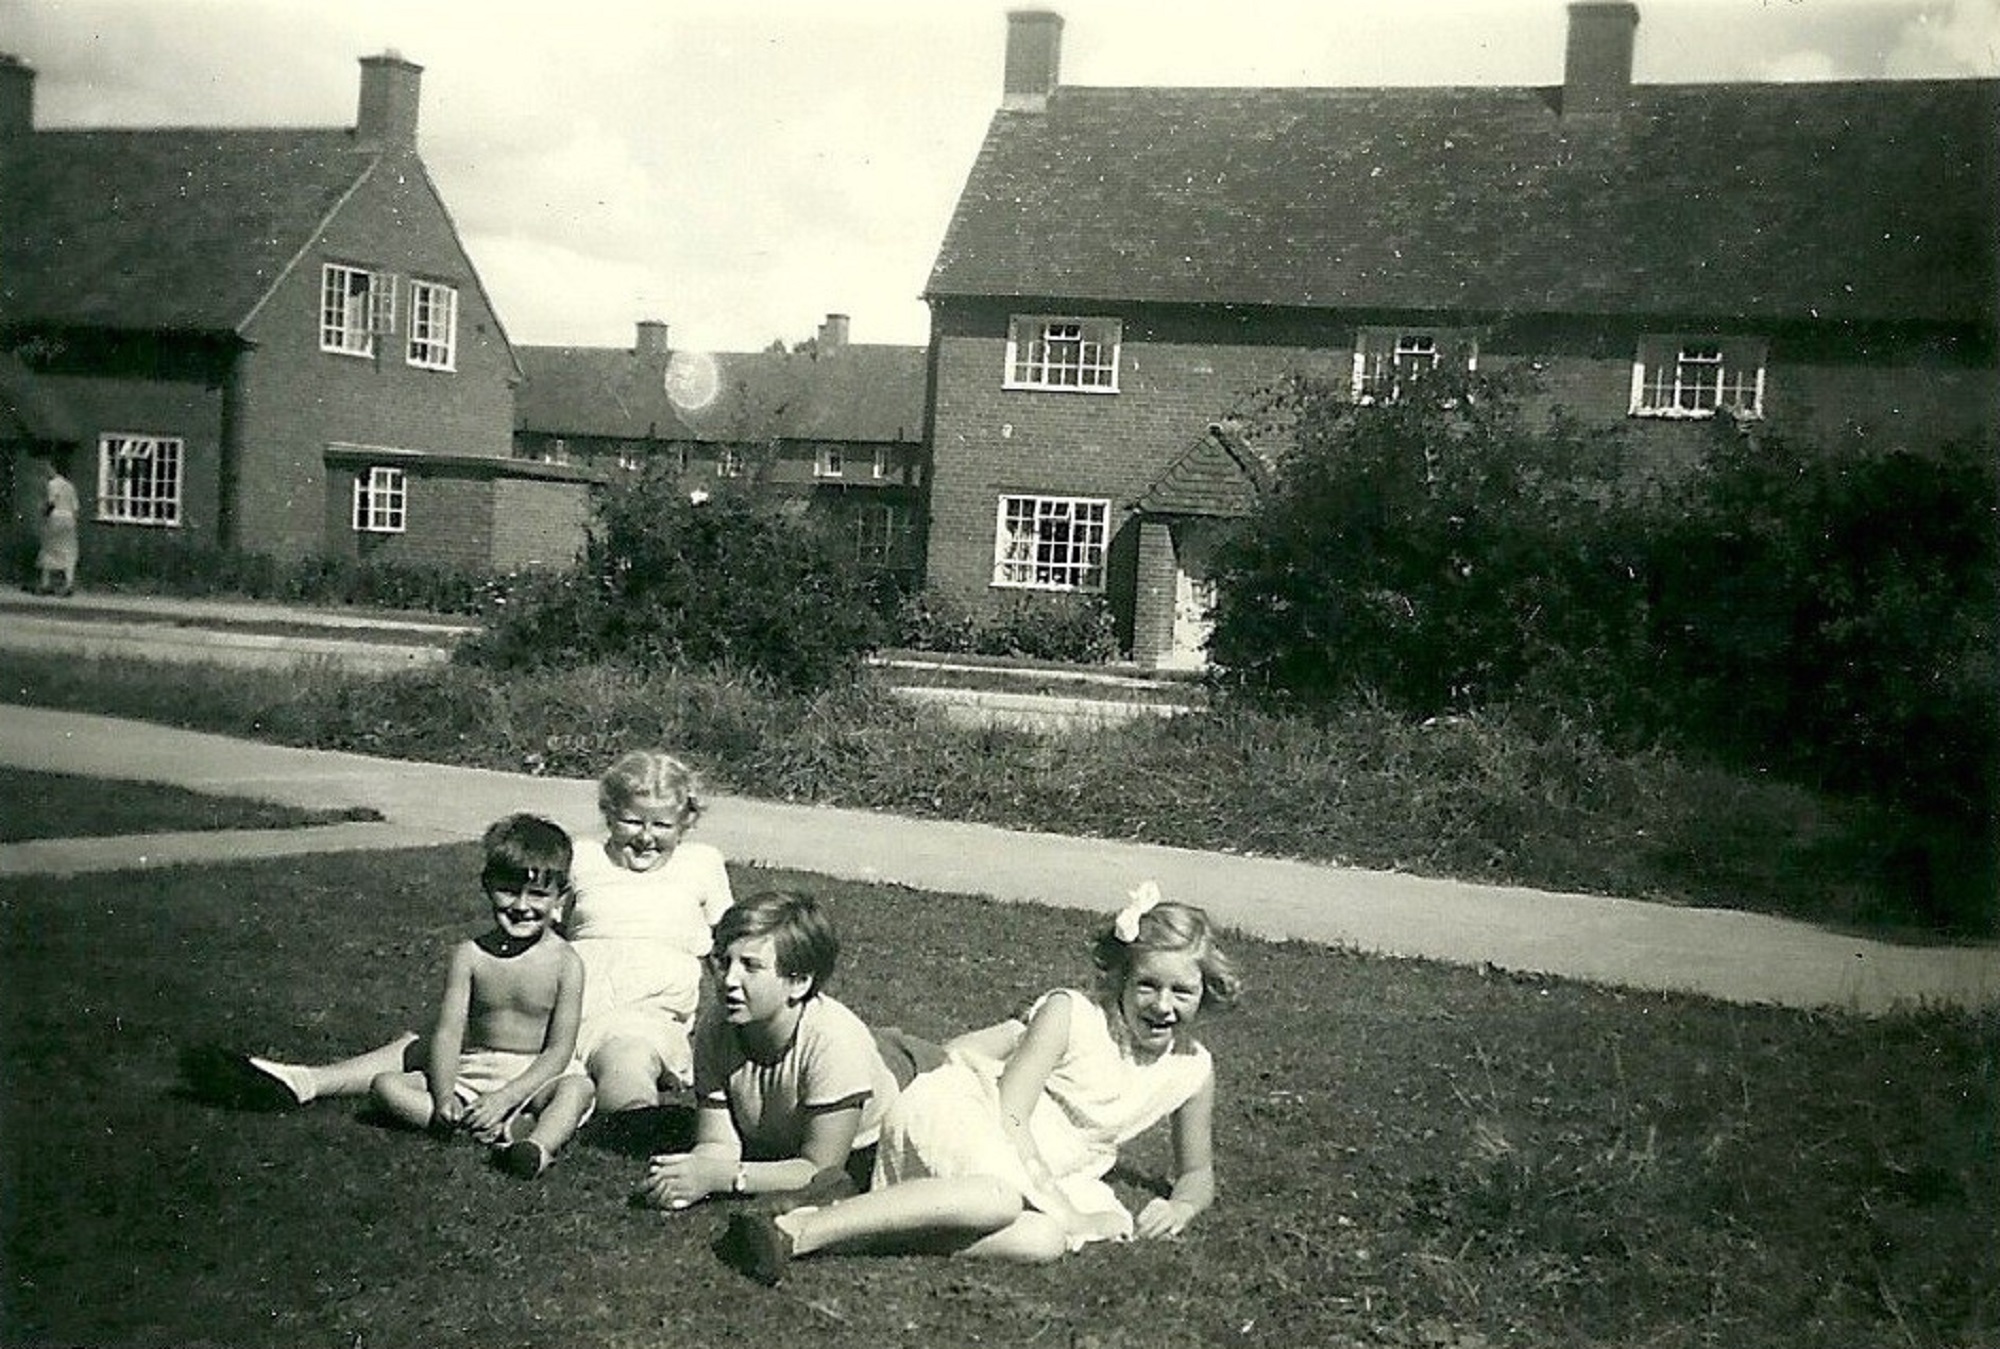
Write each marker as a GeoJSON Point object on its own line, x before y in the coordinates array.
{"type": "Point", "coordinates": [1002, 1152]}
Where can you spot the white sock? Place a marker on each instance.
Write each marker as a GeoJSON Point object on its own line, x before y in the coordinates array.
{"type": "Point", "coordinates": [297, 1080]}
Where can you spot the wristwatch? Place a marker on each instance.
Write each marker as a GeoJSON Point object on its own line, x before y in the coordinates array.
{"type": "Point", "coordinates": [740, 1182]}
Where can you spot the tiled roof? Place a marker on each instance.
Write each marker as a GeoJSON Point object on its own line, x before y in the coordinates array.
{"type": "Point", "coordinates": [1217, 475]}
{"type": "Point", "coordinates": [29, 409]}
{"type": "Point", "coordinates": [857, 393]}
{"type": "Point", "coordinates": [169, 230]}
{"type": "Point", "coordinates": [1850, 201]}
{"type": "Point", "coordinates": [595, 391]}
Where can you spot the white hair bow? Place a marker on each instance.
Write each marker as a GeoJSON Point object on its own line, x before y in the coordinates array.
{"type": "Point", "coordinates": [1125, 926]}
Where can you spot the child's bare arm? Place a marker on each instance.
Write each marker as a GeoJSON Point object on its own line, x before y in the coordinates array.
{"type": "Point", "coordinates": [1021, 1083]}
{"type": "Point", "coordinates": [1194, 1169]}
{"type": "Point", "coordinates": [448, 1035]}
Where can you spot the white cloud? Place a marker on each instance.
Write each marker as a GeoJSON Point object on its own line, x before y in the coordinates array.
{"type": "Point", "coordinates": [1961, 37]}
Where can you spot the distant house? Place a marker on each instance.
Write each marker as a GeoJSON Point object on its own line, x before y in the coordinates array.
{"type": "Point", "coordinates": [834, 426]}
{"type": "Point", "coordinates": [264, 340]}
{"type": "Point", "coordinates": [1125, 266]}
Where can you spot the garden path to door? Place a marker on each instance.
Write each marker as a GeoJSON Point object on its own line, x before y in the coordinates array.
{"type": "Point", "coordinates": [1740, 957]}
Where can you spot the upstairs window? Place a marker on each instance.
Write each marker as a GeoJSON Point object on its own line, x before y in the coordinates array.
{"type": "Point", "coordinates": [729, 462]}
{"type": "Point", "coordinates": [1051, 543]}
{"type": "Point", "coordinates": [881, 466]}
{"type": "Point", "coordinates": [1698, 377]}
{"type": "Point", "coordinates": [380, 499]}
{"type": "Point", "coordinates": [828, 462]}
{"type": "Point", "coordinates": [1387, 361]}
{"type": "Point", "coordinates": [139, 480]}
{"type": "Point", "coordinates": [433, 326]}
{"type": "Point", "coordinates": [354, 306]}
{"type": "Point", "coordinates": [1073, 354]}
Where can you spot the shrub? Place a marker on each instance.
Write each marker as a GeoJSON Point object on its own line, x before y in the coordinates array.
{"type": "Point", "coordinates": [155, 563]}
{"type": "Point", "coordinates": [730, 582]}
{"type": "Point", "coordinates": [1078, 628]}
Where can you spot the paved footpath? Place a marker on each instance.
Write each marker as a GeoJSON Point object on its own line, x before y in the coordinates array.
{"type": "Point", "coordinates": [1725, 954]}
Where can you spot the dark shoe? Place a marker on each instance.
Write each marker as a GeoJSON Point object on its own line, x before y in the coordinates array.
{"type": "Point", "coordinates": [523, 1159]}
{"type": "Point", "coordinates": [225, 1078]}
{"type": "Point", "coordinates": [829, 1185]}
{"type": "Point", "coordinates": [756, 1248]}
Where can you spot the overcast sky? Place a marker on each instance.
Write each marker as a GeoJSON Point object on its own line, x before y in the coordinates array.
{"type": "Point", "coordinates": [741, 168]}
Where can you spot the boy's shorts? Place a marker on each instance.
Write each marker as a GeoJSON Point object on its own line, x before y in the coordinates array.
{"type": "Point", "coordinates": [483, 1070]}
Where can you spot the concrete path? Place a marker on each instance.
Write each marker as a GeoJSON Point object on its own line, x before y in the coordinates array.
{"type": "Point", "coordinates": [1736, 956]}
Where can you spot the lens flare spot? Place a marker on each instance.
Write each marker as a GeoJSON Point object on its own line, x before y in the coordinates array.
{"type": "Point", "coordinates": [691, 380]}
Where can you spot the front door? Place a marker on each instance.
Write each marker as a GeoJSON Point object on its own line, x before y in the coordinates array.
{"type": "Point", "coordinates": [1194, 595]}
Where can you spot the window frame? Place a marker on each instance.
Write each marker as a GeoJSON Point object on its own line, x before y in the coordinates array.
{"type": "Point", "coordinates": [1099, 332]}
{"type": "Point", "coordinates": [1378, 349]}
{"type": "Point", "coordinates": [381, 500]}
{"type": "Point", "coordinates": [728, 462]}
{"type": "Point", "coordinates": [881, 531]}
{"type": "Point", "coordinates": [362, 315]}
{"type": "Point", "coordinates": [829, 462]}
{"type": "Point", "coordinates": [1741, 364]}
{"type": "Point", "coordinates": [439, 352]}
{"type": "Point", "coordinates": [1014, 571]}
{"type": "Point", "coordinates": [163, 502]}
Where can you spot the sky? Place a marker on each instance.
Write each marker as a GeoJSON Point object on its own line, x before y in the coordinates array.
{"type": "Point", "coordinates": [739, 169]}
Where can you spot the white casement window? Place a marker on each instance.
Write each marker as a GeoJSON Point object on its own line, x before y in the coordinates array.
{"type": "Point", "coordinates": [729, 462]}
{"type": "Point", "coordinates": [828, 462]}
{"type": "Point", "coordinates": [139, 479]}
{"type": "Point", "coordinates": [1388, 360]}
{"type": "Point", "coordinates": [1051, 543]}
{"type": "Point", "coordinates": [881, 465]}
{"type": "Point", "coordinates": [433, 325]}
{"type": "Point", "coordinates": [631, 461]}
{"type": "Point", "coordinates": [1076, 355]}
{"type": "Point", "coordinates": [355, 305]}
{"type": "Point", "coordinates": [1698, 377]}
{"type": "Point", "coordinates": [555, 450]}
{"type": "Point", "coordinates": [381, 498]}
{"type": "Point", "coordinates": [879, 535]}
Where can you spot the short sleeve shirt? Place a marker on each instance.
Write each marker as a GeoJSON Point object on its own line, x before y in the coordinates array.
{"type": "Point", "coordinates": [832, 1062]}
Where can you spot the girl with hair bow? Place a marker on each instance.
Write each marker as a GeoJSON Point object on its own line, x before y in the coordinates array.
{"type": "Point", "coordinates": [1002, 1151]}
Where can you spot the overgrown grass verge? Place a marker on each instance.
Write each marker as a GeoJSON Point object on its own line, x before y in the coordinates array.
{"type": "Point", "coordinates": [1490, 798]}
{"type": "Point", "coordinates": [1411, 1156]}
{"type": "Point", "coordinates": [54, 805]}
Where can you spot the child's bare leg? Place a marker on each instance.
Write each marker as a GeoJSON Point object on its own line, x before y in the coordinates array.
{"type": "Point", "coordinates": [352, 1077]}
{"type": "Point", "coordinates": [404, 1098]}
{"type": "Point", "coordinates": [930, 1214]}
{"type": "Point", "coordinates": [562, 1106]}
{"type": "Point", "coordinates": [627, 1074]}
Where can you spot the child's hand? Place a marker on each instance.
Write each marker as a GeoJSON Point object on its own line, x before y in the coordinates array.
{"type": "Point", "coordinates": [675, 1180]}
{"type": "Point", "coordinates": [1164, 1218]}
{"type": "Point", "coordinates": [486, 1119]}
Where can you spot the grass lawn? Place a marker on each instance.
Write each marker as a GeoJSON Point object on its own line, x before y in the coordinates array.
{"type": "Point", "coordinates": [1411, 1155]}
{"type": "Point", "coordinates": [54, 805]}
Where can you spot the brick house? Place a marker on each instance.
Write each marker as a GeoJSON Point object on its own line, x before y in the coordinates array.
{"type": "Point", "coordinates": [834, 426]}
{"type": "Point", "coordinates": [270, 341]}
{"type": "Point", "coordinates": [1125, 266]}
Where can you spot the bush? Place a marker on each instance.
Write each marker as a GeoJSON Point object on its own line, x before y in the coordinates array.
{"type": "Point", "coordinates": [1437, 552]}
{"type": "Point", "coordinates": [729, 582]}
{"type": "Point", "coordinates": [1077, 628]}
{"type": "Point", "coordinates": [154, 563]}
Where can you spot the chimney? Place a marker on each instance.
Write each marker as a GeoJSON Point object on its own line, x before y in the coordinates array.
{"type": "Point", "coordinates": [1597, 67]}
{"type": "Point", "coordinates": [388, 113]}
{"type": "Point", "coordinates": [17, 97]}
{"type": "Point", "coordinates": [1034, 59]}
{"type": "Point", "coordinates": [652, 339]}
{"type": "Point", "coordinates": [832, 334]}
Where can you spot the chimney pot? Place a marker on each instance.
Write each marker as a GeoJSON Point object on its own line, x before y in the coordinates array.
{"type": "Point", "coordinates": [17, 97]}
{"type": "Point", "coordinates": [652, 338]}
{"type": "Point", "coordinates": [1597, 65]}
{"type": "Point", "coordinates": [1034, 59]}
{"type": "Point", "coordinates": [833, 333]}
{"type": "Point", "coordinates": [388, 111]}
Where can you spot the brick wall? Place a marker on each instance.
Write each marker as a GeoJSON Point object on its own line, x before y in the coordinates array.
{"type": "Point", "coordinates": [294, 399]}
{"type": "Point", "coordinates": [538, 524]}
